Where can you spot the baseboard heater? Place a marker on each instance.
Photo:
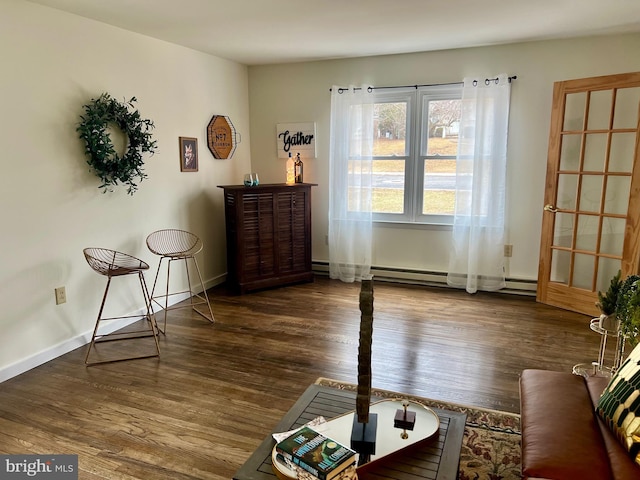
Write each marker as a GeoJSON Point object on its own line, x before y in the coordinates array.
{"type": "Point", "coordinates": [429, 278]}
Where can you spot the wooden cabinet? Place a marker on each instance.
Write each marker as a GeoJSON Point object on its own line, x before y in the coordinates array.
{"type": "Point", "coordinates": [268, 235]}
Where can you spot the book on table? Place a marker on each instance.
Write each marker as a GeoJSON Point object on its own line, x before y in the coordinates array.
{"type": "Point", "coordinates": [319, 455]}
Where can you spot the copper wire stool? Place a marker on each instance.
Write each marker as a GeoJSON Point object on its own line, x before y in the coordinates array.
{"type": "Point", "coordinates": [116, 264]}
{"type": "Point", "coordinates": [172, 244]}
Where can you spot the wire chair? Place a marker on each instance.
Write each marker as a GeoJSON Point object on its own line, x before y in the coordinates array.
{"type": "Point", "coordinates": [176, 245]}
{"type": "Point", "coordinates": [111, 263]}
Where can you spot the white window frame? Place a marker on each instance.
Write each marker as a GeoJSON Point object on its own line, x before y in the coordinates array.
{"type": "Point", "coordinates": [417, 99]}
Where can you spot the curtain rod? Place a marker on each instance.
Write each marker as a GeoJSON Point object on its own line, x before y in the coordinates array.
{"type": "Point", "coordinates": [487, 81]}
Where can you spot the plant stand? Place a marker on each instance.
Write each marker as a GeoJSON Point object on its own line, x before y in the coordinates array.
{"type": "Point", "coordinates": [598, 367]}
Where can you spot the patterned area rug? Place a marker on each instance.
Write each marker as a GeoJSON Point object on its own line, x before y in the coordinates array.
{"type": "Point", "coordinates": [491, 443]}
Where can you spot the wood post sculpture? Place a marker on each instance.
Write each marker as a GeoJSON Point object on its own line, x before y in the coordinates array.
{"type": "Point", "coordinates": [363, 399]}
{"type": "Point", "coordinates": [363, 434]}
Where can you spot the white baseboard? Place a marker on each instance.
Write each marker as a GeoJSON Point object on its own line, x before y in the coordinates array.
{"type": "Point", "coordinates": [83, 339]}
{"type": "Point", "coordinates": [430, 278]}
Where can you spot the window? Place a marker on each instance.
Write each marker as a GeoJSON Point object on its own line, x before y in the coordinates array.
{"type": "Point", "coordinates": [414, 154]}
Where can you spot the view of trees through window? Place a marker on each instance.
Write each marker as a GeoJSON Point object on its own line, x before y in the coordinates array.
{"type": "Point", "coordinates": [434, 148]}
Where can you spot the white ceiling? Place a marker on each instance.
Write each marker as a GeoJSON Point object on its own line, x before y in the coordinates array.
{"type": "Point", "coordinates": [256, 32]}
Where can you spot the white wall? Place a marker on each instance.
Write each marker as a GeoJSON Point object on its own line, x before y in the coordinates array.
{"type": "Point", "coordinates": [300, 93]}
{"type": "Point", "coordinates": [52, 64]}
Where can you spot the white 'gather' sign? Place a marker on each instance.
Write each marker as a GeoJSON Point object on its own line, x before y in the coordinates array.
{"type": "Point", "coordinates": [296, 138]}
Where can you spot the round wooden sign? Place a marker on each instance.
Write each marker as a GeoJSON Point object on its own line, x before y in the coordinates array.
{"type": "Point", "coordinates": [221, 137]}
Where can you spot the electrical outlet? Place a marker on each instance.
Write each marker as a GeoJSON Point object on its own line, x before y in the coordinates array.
{"type": "Point", "coordinates": [61, 295]}
{"type": "Point", "coordinates": [508, 250]}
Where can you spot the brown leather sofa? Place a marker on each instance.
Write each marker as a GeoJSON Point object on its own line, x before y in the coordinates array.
{"type": "Point", "coordinates": [562, 436]}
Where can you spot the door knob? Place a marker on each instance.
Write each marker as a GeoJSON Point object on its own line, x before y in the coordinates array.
{"type": "Point", "coordinates": [550, 208]}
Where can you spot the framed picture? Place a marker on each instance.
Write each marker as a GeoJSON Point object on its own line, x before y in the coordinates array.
{"type": "Point", "coordinates": [188, 154]}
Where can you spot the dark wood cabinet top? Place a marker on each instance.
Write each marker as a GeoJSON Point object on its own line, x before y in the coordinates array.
{"type": "Point", "coordinates": [267, 186]}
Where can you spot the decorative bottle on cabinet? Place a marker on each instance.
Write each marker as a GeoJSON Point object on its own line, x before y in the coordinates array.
{"type": "Point", "coordinates": [298, 168]}
{"type": "Point", "coordinates": [290, 171]}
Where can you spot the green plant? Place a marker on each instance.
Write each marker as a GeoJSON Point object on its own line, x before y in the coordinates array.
{"type": "Point", "coordinates": [110, 167]}
{"type": "Point", "coordinates": [628, 309]}
{"type": "Point", "coordinates": [631, 329]}
{"type": "Point", "coordinates": [607, 302]}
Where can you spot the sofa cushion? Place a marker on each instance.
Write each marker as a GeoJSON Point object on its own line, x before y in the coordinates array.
{"type": "Point", "coordinates": [619, 405]}
{"type": "Point", "coordinates": [561, 438]}
{"type": "Point", "coordinates": [622, 466]}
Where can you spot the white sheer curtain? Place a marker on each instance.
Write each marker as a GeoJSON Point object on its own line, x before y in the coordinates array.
{"type": "Point", "coordinates": [476, 259]}
{"type": "Point", "coordinates": [350, 144]}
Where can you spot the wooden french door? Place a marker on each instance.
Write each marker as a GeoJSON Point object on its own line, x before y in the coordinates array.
{"type": "Point", "coordinates": [590, 224]}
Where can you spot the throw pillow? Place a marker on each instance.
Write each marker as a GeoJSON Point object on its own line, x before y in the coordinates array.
{"type": "Point", "coordinates": [619, 405]}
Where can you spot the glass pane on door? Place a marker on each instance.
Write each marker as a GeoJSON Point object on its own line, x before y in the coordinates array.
{"type": "Point", "coordinates": [623, 147]}
{"type": "Point", "coordinates": [590, 193]}
{"type": "Point", "coordinates": [587, 238]}
{"type": "Point", "coordinates": [599, 110]}
{"type": "Point", "coordinates": [612, 236]}
{"type": "Point", "coordinates": [570, 152]}
{"type": "Point", "coordinates": [567, 191]}
{"type": "Point", "coordinates": [627, 105]}
{"type": "Point", "coordinates": [595, 152]}
{"type": "Point", "coordinates": [583, 268]}
{"type": "Point", "coordinates": [563, 230]}
{"type": "Point", "coordinates": [607, 269]}
{"type": "Point", "coordinates": [617, 198]}
{"type": "Point", "coordinates": [560, 263]}
{"type": "Point", "coordinates": [574, 111]}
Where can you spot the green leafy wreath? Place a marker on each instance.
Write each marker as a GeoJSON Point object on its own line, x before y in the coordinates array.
{"type": "Point", "coordinates": [110, 167]}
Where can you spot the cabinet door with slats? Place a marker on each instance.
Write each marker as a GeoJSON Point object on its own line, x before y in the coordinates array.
{"type": "Point", "coordinates": [292, 238]}
{"type": "Point", "coordinates": [259, 253]}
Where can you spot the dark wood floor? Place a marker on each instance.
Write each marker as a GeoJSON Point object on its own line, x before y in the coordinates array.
{"type": "Point", "coordinates": [218, 390]}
